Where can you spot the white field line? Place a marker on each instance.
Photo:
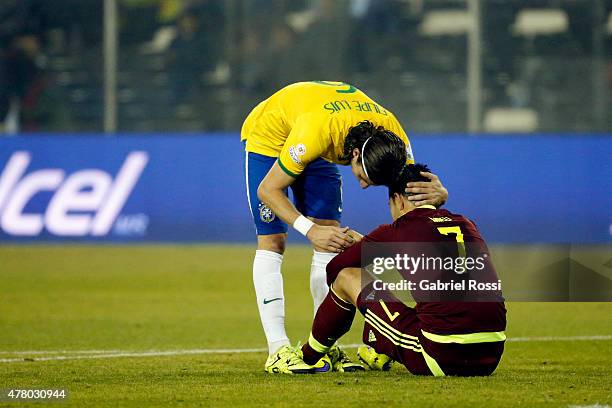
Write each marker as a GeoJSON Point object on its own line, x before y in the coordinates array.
{"type": "Point", "coordinates": [56, 355]}
{"type": "Point", "coordinates": [150, 353]}
{"type": "Point", "coordinates": [47, 352]}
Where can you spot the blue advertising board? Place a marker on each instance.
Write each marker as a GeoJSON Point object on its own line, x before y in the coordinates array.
{"type": "Point", "coordinates": [190, 187]}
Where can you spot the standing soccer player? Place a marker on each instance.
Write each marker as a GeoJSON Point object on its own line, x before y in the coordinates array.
{"type": "Point", "coordinates": [294, 139]}
{"type": "Point", "coordinates": [440, 336]}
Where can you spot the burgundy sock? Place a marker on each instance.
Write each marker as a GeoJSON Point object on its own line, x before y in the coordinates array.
{"type": "Point", "coordinates": [333, 319]}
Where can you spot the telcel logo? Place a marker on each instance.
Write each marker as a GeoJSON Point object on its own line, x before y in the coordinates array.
{"type": "Point", "coordinates": [86, 202]}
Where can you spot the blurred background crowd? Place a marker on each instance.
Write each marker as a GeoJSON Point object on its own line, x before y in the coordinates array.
{"type": "Point", "coordinates": [201, 65]}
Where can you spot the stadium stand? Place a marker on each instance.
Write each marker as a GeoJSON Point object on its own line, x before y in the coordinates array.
{"type": "Point", "coordinates": [201, 65]}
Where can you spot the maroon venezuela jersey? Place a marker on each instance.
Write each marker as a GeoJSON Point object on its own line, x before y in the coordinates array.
{"type": "Point", "coordinates": [427, 224]}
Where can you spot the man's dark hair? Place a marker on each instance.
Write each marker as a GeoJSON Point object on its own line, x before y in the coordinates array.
{"type": "Point", "coordinates": [385, 152]}
{"type": "Point", "coordinates": [410, 173]}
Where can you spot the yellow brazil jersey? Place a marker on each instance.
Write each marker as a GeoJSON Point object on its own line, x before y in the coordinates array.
{"type": "Point", "coordinates": [309, 120]}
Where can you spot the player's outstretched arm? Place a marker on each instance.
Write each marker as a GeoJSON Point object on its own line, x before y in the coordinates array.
{"type": "Point", "coordinates": [271, 191]}
{"type": "Point", "coordinates": [430, 192]}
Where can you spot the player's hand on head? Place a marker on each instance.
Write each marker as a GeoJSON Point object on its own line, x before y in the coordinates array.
{"type": "Point", "coordinates": [430, 192]}
{"type": "Point", "coordinates": [330, 239]}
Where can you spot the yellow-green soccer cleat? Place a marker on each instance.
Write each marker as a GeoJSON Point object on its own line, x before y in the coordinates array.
{"type": "Point", "coordinates": [341, 361]}
{"type": "Point", "coordinates": [287, 360]}
{"type": "Point", "coordinates": [324, 365]}
{"type": "Point", "coordinates": [374, 361]}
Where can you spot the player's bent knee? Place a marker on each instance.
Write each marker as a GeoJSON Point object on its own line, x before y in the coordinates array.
{"type": "Point", "coordinates": [346, 280]}
{"type": "Point", "coordinates": [274, 243]}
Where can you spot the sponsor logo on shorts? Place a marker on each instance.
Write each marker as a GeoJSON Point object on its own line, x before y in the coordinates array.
{"type": "Point", "coordinates": [296, 151]}
{"type": "Point", "coordinates": [266, 214]}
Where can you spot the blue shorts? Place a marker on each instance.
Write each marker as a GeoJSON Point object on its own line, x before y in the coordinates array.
{"type": "Point", "coordinates": [317, 192]}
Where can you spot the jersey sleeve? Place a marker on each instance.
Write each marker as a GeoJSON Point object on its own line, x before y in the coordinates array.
{"type": "Point", "coordinates": [399, 131]}
{"type": "Point", "coordinates": [303, 145]}
{"type": "Point", "coordinates": [409, 154]}
{"type": "Point", "coordinates": [351, 257]}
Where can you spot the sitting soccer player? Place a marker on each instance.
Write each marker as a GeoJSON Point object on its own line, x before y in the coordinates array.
{"type": "Point", "coordinates": [437, 337]}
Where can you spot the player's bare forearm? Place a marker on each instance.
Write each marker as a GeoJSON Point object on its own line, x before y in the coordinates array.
{"type": "Point", "coordinates": [430, 192]}
{"type": "Point", "coordinates": [278, 202]}
{"type": "Point", "coordinates": [271, 192]}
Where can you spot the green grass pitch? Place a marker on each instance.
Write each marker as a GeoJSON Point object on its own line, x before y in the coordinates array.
{"type": "Point", "coordinates": [83, 301]}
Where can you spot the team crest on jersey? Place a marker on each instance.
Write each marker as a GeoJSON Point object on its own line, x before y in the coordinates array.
{"type": "Point", "coordinates": [371, 337]}
{"type": "Point", "coordinates": [265, 213]}
{"type": "Point", "coordinates": [296, 151]}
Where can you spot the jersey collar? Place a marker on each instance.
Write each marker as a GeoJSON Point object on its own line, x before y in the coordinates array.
{"type": "Point", "coordinates": [429, 207]}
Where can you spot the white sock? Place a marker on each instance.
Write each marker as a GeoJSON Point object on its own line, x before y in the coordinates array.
{"type": "Point", "coordinates": [268, 283]}
{"type": "Point", "coordinates": [318, 277]}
